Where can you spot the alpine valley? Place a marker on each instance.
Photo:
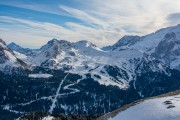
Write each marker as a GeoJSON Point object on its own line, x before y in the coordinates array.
{"type": "Point", "coordinates": [80, 78]}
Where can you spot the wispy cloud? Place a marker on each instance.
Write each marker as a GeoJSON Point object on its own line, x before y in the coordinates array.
{"type": "Point", "coordinates": [36, 5]}
{"type": "Point", "coordinates": [82, 15]}
{"type": "Point", "coordinates": [101, 21]}
{"type": "Point", "coordinates": [38, 33]}
{"type": "Point", "coordinates": [140, 16]}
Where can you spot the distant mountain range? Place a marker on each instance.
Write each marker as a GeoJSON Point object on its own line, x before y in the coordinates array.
{"type": "Point", "coordinates": [50, 78]}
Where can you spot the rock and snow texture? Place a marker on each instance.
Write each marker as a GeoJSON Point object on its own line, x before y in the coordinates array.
{"type": "Point", "coordinates": [149, 42]}
{"type": "Point", "coordinates": [126, 41]}
{"type": "Point", "coordinates": [166, 108]}
{"type": "Point", "coordinates": [8, 59]}
{"type": "Point", "coordinates": [168, 50]}
{"type": "Point", "coordinates": [80, 58]}
{"type": "Point", "coordinates": [20, 55]}
{"type": "Point", "coordinates": [5, 54]}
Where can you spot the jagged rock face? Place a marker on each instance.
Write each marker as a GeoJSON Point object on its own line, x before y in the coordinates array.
{"type": "Point", "coordinates": [166, 46]}
{"type": "Point", "coordinates": [3, 57]}
{"type": "Point", "coordinates": [1, 41]}
{"type": "Point", "coordinates": [168, 50]}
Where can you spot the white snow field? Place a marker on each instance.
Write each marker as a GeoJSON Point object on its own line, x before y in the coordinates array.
{"type": "Point", "coordinates": [166, 108]}
{"type": "Point", "coordinates": [40, 75]}
{"type": "Point", "coordinates": [48, 118]}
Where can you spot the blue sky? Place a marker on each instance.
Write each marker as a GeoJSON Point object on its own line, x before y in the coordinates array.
{"type": "Point", "coordinates": [31, 23]}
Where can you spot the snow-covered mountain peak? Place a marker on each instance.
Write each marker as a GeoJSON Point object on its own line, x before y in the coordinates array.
{"type": "Point", "coordinates": [54, 42]}
{"type": "Point", "coordinates": [149, 42]}
{"type": "Point", "coordinates": [127, 41]}
{"type": "Point", "coordinates": [13, 44]}
{"type": "Point", "coordinates": [53, 53]}
{"type": "Point", "coordinates": [84, 44]}
{"type": "Point", "coordinates": [175, 29]}
{"type": "Point", "coordinates": [146, 43]}
{"type": "Point", "coordinates": [87, 48]}
{"type": "Point", "coordinates": [26, 51]}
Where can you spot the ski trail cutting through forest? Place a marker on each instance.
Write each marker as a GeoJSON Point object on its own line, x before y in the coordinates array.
{"type": "Point", "coordinates": [67, 87]}
{"type": "Point", "coordinates": [57, 93]}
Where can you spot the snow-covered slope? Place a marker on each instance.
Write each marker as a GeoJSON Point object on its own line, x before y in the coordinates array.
{"type": "Point", "coordinates": [20, 55]}
{"type": "Point", "coordinates": [80, 58]}
{"type": "Point", "coordinates": [84, 57]}
{"type": "Point", "coordinates": [52, 51]}
{"type": "Point", "coordinates": [8, 60]}
{"type": "Point", "coordinates": [165, 108]}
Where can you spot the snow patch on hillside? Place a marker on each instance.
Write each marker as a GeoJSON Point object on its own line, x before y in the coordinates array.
{"type": "Point", "coordinates": [40, 75]}
{"type": "Point", "coordinates": [48, 118]}
{"type": "Point", "coordinates": [20, 55]}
